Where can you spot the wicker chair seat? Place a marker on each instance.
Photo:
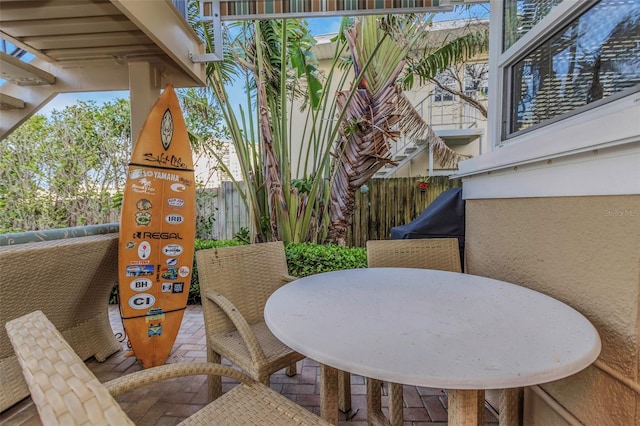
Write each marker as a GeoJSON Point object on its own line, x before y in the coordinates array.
{"type": "Point", "coordinates": [253, 404]}
{"type": "Point", "coordinates": [231, 345]}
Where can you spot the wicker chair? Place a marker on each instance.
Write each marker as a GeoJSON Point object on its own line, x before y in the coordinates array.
{"type": "Point", "coordinates": [70, 280]}
{"type": "Point", "coordinates": [235, 283]}
{"type": "Point", "coordinates": [66, 392]}
{"type": "Point", "coordinates": [430, 253]}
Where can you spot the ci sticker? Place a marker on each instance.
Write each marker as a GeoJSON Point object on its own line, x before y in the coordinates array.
{"type": "Point", "coordinates": [142, 301]}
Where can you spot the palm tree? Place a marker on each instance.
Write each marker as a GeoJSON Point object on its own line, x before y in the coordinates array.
{"type": "Point", "coordinates": [379, 112]}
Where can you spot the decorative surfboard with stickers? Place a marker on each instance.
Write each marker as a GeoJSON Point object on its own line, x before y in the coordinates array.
{"type": "Point", "coordinates": [157, 233]}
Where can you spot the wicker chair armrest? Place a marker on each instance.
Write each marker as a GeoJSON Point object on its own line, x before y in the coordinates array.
{"type": "Point", "coordinates": [149, 376]}
{"type": "Point", "coordinates": [288, 278]}
{"type": "Point", "coordinates": [241, 324]}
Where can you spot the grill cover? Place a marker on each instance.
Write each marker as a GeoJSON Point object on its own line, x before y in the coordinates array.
{"type": "Point", "coordinates": [443, 218]}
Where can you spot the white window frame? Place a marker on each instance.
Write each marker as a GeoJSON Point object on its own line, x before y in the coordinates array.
{"type": "Point", "coordinates": [610, 127]}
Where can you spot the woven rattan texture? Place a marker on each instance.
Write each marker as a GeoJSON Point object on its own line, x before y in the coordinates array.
{"type": "Point", "coordinates": [235, 283]}
{"type": "Point", "coordinates": [430, 253]}
{"type": "Point", "coordinates": [66, 392]}
{"type": "Point", "coordinates": [63, 389]}
{"type": "Point", "coordinates": [69, 280]}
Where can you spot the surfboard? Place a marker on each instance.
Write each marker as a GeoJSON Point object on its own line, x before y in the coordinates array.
{"type": "Point", "coordinates": [157, 233]}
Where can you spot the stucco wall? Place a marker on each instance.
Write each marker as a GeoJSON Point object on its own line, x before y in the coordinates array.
{"type": "Point", "coordinates": [584, 251]}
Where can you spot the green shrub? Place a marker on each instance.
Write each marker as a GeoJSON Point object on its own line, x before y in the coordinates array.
{"type": "Point", "coordinates": [306, 259]}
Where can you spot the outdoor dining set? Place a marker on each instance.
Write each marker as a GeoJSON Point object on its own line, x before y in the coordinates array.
{"type": "Point", "coordinates": [411, 318]}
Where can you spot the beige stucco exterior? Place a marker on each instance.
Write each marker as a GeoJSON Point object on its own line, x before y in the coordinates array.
{"type": "Point", "coordinates": [584, 251]}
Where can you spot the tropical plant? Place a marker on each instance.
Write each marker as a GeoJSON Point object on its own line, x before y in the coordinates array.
{"type": "Point", "coordinates": [347, 136]}
{"type": "Point", "coordinates": [380, 47]}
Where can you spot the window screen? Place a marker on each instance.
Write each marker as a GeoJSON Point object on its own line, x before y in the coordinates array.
{"type": "Point", "coordinates": [593, 57]}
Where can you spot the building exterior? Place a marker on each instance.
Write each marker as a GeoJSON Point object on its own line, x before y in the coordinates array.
{"type": "Point", "coordinates": [208, 171]}
{"type": "Point", "coordinates": [554, 203]}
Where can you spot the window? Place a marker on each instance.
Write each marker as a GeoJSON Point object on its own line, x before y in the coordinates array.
{"type": "Point", "coordinates": [594, 57]}
{"type": "Point", "coordinates": [521, 15]}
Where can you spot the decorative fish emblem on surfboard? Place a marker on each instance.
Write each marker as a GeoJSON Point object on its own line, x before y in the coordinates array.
{"type": "Point", "coordinates": [166, 130]}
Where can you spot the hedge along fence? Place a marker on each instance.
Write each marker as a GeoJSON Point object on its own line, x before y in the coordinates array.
{"type": "Point", "coordinates": [389, 203]}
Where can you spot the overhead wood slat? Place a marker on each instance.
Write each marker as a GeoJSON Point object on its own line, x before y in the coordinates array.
{"type": "Point", "coordinates": [72, 41]}
{"type": "Point", "coordinates": [35, 10]}
{"type": "Point", "coordinates": [9, 102]}
{"type": "Point", "coordinates": [132, 52]}
{"type": "Point", "coordinates": [22, 73]}
{"type": "Point", "coordinates": [89, 25]}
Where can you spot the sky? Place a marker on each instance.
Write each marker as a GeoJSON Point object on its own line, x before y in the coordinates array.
{"type": "Point", "coordinates": [317, 26]}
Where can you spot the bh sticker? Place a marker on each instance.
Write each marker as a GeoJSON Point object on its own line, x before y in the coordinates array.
{"type": "Point", "coordinates": [140, 284]}
{"type": "Point", "coordinates": [142, 301]}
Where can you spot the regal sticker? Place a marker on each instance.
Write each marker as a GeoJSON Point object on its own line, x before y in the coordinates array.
{"type": "Point", "coordinates": [139, 270]}
{"type": "Point", "coordinates": [140, 284]}
{"type": "Point", "coordinates": [183, 271]}
{"type": "Point", "coordinates": [142, 301]}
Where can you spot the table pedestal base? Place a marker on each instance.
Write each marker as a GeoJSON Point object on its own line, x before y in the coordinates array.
{"type": "Point", "coordinates": [466, 407]}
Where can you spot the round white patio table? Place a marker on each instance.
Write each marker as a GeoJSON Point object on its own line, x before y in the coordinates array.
{"type": "Point", "coordinates": [431, 328]}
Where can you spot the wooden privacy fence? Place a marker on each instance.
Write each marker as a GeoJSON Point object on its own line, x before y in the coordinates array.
{"type": "Point", "coordinates": [387, 203]}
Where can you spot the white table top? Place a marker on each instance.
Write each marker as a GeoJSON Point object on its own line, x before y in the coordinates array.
{"type": "Point", "coordinates": [432, 328]}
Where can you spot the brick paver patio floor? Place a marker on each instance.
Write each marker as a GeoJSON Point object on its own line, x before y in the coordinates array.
{"type": "Point", "coordinates": [173, 400]}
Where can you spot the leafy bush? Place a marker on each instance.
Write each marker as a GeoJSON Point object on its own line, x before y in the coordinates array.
{"type": "Point", "coordinates": [306, 259]}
